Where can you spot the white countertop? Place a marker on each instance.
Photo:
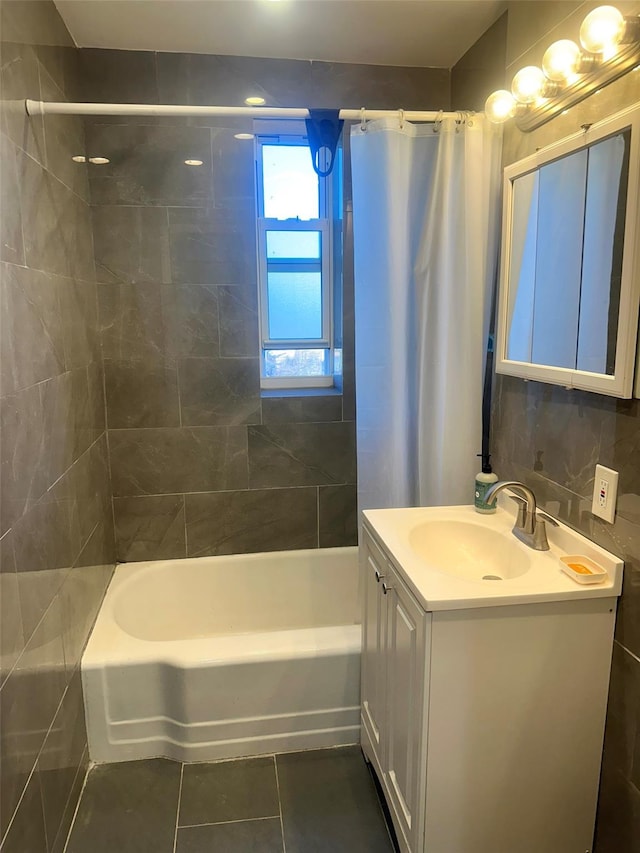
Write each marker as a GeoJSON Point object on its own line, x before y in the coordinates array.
{"type": "Point", "coordinates": [544, 581]}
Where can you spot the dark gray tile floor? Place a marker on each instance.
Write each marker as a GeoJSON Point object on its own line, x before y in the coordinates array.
{"type": "Point", "coordinates": [321, 801]}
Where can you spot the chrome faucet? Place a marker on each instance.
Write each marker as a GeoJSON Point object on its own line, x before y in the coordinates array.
{"type": "Point", "coordinates": [530, 526]}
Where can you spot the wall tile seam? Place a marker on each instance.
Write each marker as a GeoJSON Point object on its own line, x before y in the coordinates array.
{"type": "Point", "coordinates": [628, 651]}
{"type": "Point", "coordinates": [64, 473]}
{"type": "Point", "coordinates": [82, 768]}
{"type": "Point", "coordinates": [27, 639]}
{"type": "Point", "coordinates": [58, 275]}
{"type": "Point", "coordinates": [230, 491]}
{"type": "Point", "coordinates": [66, 372]}
{"type": "Point", "coordinates": [184, 517]}
{"type": "Point", "coordinates": [88, 767]}
{"type": "Point", "coordinates": [30, 506]}
{"type": "Point", "coordinates": [46, 165]}
{"type": "Point", "coordinates": [46, 169]}
{"type": "Point", "coordinates": [37, 758]}
{"type": "Point", "coordinates": [163, 205]}
{"type": "Point", "coordinates": [20, 799]}
{"type": "Point", "coordinates": [268, 425]}
{"type": "Point", "coordinates": [74, 564]}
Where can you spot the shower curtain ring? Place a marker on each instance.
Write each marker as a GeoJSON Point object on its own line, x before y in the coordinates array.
{"type": "Point", "coordinates": [363, 121]}
{"type": "Point", "coordinates": [401, 117]}
{"type": "Point", "coordinates": [460, 120]}
{"type": "Point", "coordinates": [438, 122]}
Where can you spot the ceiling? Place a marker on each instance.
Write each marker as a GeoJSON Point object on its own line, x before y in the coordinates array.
{"type": "Point", "coordinates": [375, 32]}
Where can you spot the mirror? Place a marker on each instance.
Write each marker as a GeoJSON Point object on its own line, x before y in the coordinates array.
{"type": "Point", "coordinates": [569, 296]}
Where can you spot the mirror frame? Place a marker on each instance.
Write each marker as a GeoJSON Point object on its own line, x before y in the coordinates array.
{"type": "Point", "coordinates": [620, 383]}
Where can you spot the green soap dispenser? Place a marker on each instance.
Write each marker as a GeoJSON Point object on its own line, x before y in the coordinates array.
{"type": "Point", "coordinates": [484, 480]}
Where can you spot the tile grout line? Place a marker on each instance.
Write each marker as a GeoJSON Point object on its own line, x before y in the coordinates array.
{"type": "Point", "coordinates": [225, 822]}
{"type": "Point", "coordinates": [77, 808]}
{"type": "Point", "coordinates": [175, 835]}
{"type": "Point", "coordinates": [275, 765]}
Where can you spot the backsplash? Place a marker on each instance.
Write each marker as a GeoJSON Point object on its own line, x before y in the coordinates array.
{"type": "Point", "coordinates": [201, 462]}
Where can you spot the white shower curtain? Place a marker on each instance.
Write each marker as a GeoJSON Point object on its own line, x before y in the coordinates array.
{"type": "Point", "coordinates": [425, 221]}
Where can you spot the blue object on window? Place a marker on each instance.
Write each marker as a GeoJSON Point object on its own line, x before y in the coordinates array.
{"type": "Point", "coordinates": [323, 130]}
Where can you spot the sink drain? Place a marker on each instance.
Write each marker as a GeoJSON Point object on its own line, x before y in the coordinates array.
{"type": "Point", "coordinates": [491, 578]}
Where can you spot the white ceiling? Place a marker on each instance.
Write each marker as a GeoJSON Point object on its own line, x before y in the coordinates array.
{"type": "Point", "coordinates": [374, 32]}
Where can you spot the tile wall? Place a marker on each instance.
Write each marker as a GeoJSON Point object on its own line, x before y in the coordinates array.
{"type": "Point", "coordinates": [201, 462]}
{"type": "Point", "coordinates": [56, 544]}
{"type": "Point", "coordinates": [551, 438]}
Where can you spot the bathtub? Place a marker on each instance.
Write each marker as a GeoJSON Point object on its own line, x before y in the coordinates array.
{"type": "Point", "coordinates": [222, 657]}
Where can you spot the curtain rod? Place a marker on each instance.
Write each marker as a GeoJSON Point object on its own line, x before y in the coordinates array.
{"type": "Point", "coordinates": [34, 108]}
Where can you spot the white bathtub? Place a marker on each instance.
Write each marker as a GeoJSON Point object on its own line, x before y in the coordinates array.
{"type": "Point", "coordinates": [221, 657]}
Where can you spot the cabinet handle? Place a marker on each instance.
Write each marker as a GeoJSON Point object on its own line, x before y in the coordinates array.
{"type": "Point", "coordinates": [378, 576]}
{"type": "Point", "coordinates": [386, 588]}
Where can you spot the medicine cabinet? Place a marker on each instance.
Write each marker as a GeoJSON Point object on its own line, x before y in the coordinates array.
{"type": "Point", "coordinates": [570, 271]}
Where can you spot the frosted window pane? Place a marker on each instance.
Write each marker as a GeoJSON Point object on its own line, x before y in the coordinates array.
{"type": "Point", "coordinates": [290, 184]}
{"type": "Point", "coordinates": [295, 305]}
{"type": "Point", "coordinates": [296, 362]}
{"type": "Point", "coordinates": [293, 244]}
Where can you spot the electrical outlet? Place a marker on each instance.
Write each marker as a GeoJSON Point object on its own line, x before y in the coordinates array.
{"type": "Point", "coordinates": [605, 493]}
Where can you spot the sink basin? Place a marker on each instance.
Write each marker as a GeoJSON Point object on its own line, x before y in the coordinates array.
{"type": "Point", "coordinates": [469, 551]}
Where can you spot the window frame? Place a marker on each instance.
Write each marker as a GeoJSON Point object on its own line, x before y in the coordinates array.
{"type": "Point", "coordinates": [293, 134]}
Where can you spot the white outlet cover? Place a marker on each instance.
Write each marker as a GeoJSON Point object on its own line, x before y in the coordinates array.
{"type": "Point", "coordinates": [610, 477]}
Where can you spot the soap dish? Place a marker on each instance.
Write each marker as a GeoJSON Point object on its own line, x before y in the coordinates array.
{"type": "Point", "coordinates": [582, 569]}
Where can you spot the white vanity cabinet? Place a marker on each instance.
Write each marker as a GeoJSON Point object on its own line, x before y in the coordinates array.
{"type": "Point", "coordinates": [394, 678]}
{"type": "Point", "coordinates": [484, 722]}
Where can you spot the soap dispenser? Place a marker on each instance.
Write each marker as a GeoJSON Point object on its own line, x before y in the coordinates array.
{"type": "Point", "coordinates": [484, 480]}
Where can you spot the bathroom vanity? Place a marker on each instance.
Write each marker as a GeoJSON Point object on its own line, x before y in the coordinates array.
{"type": "Point", "coordinates": [485, 675]}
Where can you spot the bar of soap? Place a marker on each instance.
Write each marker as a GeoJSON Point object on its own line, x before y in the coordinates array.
{"type": "Point", "coordinates": [582, 569]}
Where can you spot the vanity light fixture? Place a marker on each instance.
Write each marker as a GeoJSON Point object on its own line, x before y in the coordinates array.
{"type": "Point", "coordinates": [254, 101]}
{"type": "Point", "coordinates": [193, 162]}
{"type": "Point", "coordinates": [610, 47]}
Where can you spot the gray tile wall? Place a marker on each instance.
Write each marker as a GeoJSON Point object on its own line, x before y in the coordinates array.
{"type": "Point", "coordinates": [56, 544]}
{"type": "Point", "coordinates": [201, 463]}
{"type": "Point", "coordinates": [551, 438]}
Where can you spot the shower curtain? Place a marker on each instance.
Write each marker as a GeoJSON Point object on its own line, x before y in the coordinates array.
{"type": "Point", "coordinates": [425, 222]}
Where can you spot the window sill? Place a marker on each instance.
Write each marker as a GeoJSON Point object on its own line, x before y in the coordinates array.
{"type": "Point", "coordinates": [301, 392]}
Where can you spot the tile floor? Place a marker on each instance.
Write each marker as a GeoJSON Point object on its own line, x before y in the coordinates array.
{"type": "Point", "coordinates": [322, 801]}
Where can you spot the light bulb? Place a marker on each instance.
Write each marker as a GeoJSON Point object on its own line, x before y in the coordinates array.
{"type": "Point", "coordinates": [528, 84]}
{"type": "Point", "coordinates": [602, 29]}
{"type": "Point", "coordinates": [254, 101]}
{"type": "Point", "coordinates": [500, 106]}
{"type": "Point", "coordinates": [243, 135]}
{"type": "Point", "coordinates": [561, 61]}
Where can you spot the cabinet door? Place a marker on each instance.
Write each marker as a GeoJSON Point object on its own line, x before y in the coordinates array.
{"type": "Point", "coordinates": [406, 723]}
{"type": "Point", "coordinates": [374, 567]}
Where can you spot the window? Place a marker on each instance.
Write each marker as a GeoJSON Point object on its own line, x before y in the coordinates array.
{"type": "Point", "coordinates": [294, 263]}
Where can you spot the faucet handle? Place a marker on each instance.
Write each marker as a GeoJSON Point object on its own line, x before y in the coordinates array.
{"type": "Point", "coordinates": [542, 516]}
{"type": "Point", "coordinates": [522, 509]}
